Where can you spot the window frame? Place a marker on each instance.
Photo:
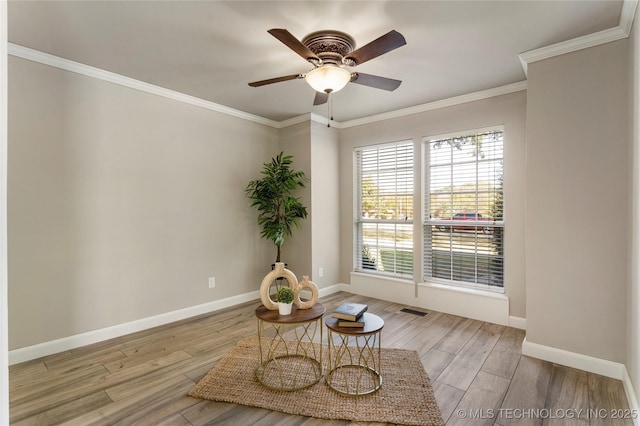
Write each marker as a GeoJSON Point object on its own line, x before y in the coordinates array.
{"type": "Point", "coordinates": [359, 220]}
{"type": "Point", "coordinates": [427, 222]}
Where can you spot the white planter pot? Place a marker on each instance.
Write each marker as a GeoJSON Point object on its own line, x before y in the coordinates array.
{"type": "Point", "coordinates": [284, 308]}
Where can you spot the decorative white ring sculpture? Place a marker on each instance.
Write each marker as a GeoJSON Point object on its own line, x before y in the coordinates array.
{"type": "Point", "coordinates": [305, 283]}
{"type": "Point", "coordinates": [278, 272]}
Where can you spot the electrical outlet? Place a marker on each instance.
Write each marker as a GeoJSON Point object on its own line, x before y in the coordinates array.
{"type": "Point", "coordinates": [212, 282]}
{"type": "Point", "coordinates": [321, 272]}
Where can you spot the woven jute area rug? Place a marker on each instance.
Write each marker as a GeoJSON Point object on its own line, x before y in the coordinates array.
{"type": "Point", "coordinates": [406, 396]}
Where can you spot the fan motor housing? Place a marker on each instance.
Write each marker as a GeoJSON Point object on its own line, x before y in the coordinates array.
{"type": "Point", "coordinates": [330, 45]}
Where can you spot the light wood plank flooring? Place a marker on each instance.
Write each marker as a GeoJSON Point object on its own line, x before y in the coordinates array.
{"type": "Point", "coordinates": [476, 369]}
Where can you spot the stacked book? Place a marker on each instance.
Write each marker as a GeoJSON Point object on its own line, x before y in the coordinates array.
{"type": "Point", "coordinates": [350, 314]}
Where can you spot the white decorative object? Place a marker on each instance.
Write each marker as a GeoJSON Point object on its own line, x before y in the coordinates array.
{"type": "Point", "coordinates": [279, 271]}
{"type": "Point", "coordinates": [305, 283]}
{"type": "Point", "coordinates": [284, 308]}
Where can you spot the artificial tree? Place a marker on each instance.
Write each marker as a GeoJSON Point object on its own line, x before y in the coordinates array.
{"type": "Point", "coordinates": [278, 209]}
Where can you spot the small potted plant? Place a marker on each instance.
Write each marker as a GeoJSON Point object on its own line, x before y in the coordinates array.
{"type": "Point", "coordinates": [285, 300]}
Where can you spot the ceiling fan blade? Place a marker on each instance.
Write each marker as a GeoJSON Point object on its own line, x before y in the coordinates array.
{"type": "Point", "coordinates": [378, 82]}
{"type": "Point", "coordinates": [321, 98]}
{"type": "Point", "coordinates": [293, 43]}
{"type": "Point", "coordinates": [276, 80]}
{"type": "Point", "coordinates": [386, 43]}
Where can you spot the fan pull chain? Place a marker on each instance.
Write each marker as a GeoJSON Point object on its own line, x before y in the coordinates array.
{"type": "Point", "coordinates": [331, 100]}
{"type": "Point", "coordinates": [329, 110]}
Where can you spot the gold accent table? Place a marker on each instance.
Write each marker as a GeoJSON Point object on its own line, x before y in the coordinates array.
{"type": "Point", "coordinates": [354, 370]}
{"type": "Point", "coordinates": [288, 359]}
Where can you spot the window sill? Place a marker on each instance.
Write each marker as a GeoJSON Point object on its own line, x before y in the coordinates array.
{"type": "Point", "coordinates": [383, 277]}
{"type": "Point", "coordinates": [465, 290]}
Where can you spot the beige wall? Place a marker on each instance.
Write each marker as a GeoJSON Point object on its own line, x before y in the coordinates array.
{"type": "Point", "coordinates": [315, 244]}
{"type": "Point", "coordinates": [4, 329]}
{"type": "Point", "coordinates": [123, 203]}
{"type": "Point", "coordinates": [633, 316]}
{"type": "Point", "coordinates": [507, 110]}
{"type": "Point", "coordinates": [296, 253]}
{"type": "Point", "coordinates": [577, 201]}
{"type": "Point", "coordinates": [325, 204]}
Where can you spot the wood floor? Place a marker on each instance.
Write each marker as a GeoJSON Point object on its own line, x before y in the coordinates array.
{"type": "Point", "coordinates": [476, 370]}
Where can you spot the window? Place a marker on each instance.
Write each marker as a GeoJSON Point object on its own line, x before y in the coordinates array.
{"type": "Point", "coordinates": [384, 213]}
{"type": "Point", "coordinates": [464, 220]}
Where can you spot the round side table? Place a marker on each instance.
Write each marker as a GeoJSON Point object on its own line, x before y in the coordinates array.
{"type": "Point", "coordinates": [354, 370]}
{"type": "Point", "coordinates": [289, 359]}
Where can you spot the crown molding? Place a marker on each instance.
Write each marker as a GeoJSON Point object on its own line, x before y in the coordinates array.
{"type": "Point", "coordinates": [627, 15]}
{"type": "Point", "coordinates": [462, 99]}
{"type": "Point", "coordinates": [457, 100]}
{"type": "Point", "coordinates": [295, 120]}
{"type": "Point", "coordinates": [605, 36]}
{"type": "Point", "coordinates": [324, 120]}
{"type": "Point", "coordinates": [573, 45]}
{"type": "Point", "coordinates": [590, 40]}
{"type": "Point", "coordinates": [89, 71]}
{"type": "Point", "coordinates": [309, 117]}
{"type": "Point", "coordinates": [100, 74]}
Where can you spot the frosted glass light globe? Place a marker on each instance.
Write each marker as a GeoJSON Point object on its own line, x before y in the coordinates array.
{"type": "Point", "coordinates": [328, 78]}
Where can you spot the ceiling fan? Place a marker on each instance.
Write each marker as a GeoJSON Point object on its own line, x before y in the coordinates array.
{"type": "Point", "coordinates": [330, 52]}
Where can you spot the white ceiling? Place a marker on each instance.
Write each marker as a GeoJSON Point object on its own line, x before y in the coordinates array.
{"type": "Point", "coordinates": [212, 49]}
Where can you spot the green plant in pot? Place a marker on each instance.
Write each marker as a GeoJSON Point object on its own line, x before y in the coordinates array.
{"type": "Point", "coordinates": [285, 300]}
{"type": "Point", "coordinates": [278, 209]}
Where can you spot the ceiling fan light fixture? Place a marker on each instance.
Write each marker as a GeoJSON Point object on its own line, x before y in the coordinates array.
{"type": "Point", "coordinates": [328, 78]}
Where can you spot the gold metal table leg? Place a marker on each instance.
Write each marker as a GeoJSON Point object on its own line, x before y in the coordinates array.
{"type": "Point", "coordinates": [289, 361]}
{"type": "Point", "coordinates": [354, 370]}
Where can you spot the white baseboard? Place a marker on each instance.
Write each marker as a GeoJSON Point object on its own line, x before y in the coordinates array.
{"type": "Point", "coordinates": [634, 406]}
{"type": "Point", "coordinates": [469, 303]}
{"type": "Point", "coordinates": [90, 337]}
{"type": "Point", "coordinates": [66, 343]}
{"type": "Point", "coordinates": [518, 322]}
{"type": "Point", "coordinates": [615, 370]}
{"type": "Point", "coordinates": [325, 291]}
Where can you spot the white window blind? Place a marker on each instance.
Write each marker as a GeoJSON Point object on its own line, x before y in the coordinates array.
{"type": "Point", "coordinates": [384, 215]}
{"type": "Point", "coordinates": [464, 220]}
